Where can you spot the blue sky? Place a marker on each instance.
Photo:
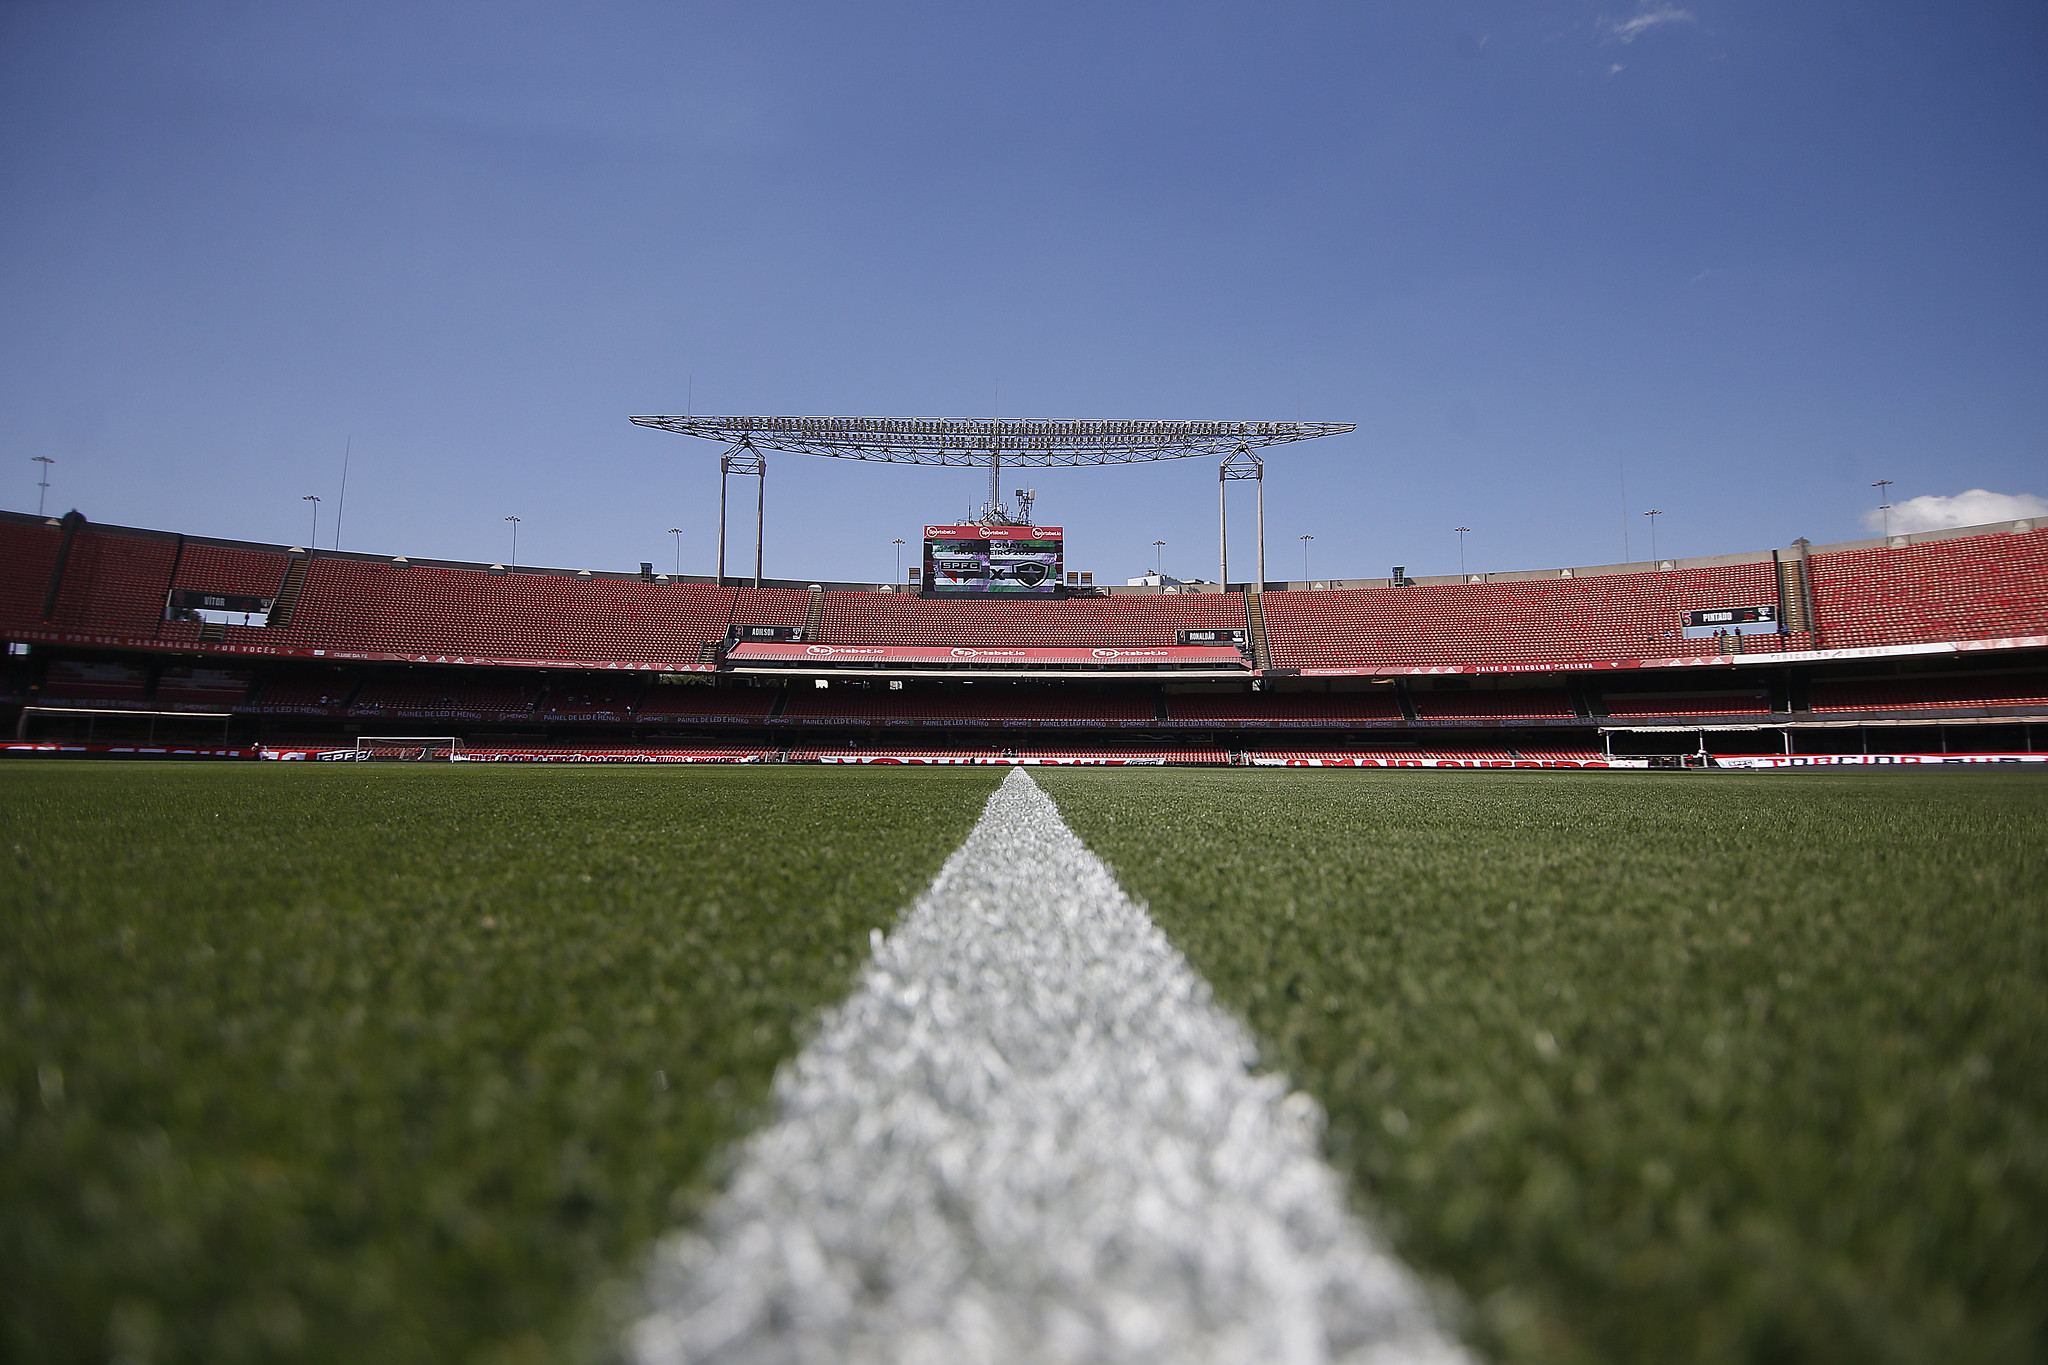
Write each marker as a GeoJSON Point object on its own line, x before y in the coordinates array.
{"type": "Point", "coordinates": [1747, 257]}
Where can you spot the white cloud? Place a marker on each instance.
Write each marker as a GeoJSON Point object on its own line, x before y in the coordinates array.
{"type": "Point", "coordinates": [1973, 508]}
{"type": "Point", "coordinates": [1628, 30]}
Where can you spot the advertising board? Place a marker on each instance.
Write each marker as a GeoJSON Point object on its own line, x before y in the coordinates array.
{"type": "Point", "coordinates": [1703, 625]}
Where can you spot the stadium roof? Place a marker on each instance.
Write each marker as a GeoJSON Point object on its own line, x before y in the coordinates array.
{"type": "Point", "coordinates": [1030, 442]}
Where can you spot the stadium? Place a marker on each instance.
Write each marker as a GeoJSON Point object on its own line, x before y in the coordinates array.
{"type": "Point", "coordinates": [1913, 648]}
{"type": "Point", "coordinates": [548, 818]}
{"type": "Point", "coordinates": [1547, 1147]}
{"type": "Point", "coordinates": [1560, 1178]}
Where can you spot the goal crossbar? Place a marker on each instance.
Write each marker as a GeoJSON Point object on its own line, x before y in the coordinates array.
{"type": "Point", "coordinates": [408, 749]}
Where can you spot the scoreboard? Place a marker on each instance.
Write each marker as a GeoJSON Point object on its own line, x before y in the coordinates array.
{"type": "Point", "coordinates": [998, 561]}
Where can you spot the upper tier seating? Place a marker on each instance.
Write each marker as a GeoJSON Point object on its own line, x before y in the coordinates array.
{"type": "Point", "coordinates": [407, 609]}
{"type": "Point", "coordinates": [1619, 616]}
{"type": "Point", "coordinates": [27, 552]}
{"type": "Point", "coordinates": [115, 583]}
{"type": "Point", "coordinates": [1973, 587]}
{"type": "Point", "coordinates": [874, 618]}
{"type": "Point", "coordinates": [1929, 694]}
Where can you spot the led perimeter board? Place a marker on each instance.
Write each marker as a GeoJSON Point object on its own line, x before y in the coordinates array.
{"type": "Point", "coordinates": [999, 561]}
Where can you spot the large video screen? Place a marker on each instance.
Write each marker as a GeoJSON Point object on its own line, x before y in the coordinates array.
{"type": "Point", "coordinates": [981, 561]}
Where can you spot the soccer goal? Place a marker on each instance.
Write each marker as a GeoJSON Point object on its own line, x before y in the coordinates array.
{"type": "Point", "coordinates": [408, 749]}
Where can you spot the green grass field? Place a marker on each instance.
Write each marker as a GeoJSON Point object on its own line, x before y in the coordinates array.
{"type": "Point", "coordinates": [403, 1064]}
{"type": "Point", "coordinates": [1706, 1067]}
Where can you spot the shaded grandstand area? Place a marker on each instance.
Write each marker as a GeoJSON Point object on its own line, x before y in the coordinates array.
{"type": "Point", "coordinates": [1944, 630]}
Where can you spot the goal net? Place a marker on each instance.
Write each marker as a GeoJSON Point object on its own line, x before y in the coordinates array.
{"type": "Point", "coordinates": [408, 749]}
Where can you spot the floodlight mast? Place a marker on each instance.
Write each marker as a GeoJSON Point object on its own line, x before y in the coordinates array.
{"type": "Point", "coordinates": [1035, 443]}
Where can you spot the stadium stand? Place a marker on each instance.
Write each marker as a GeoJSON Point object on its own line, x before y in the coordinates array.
{"type": "Point", "coordinates": [208, 687]}
{"type": "Point", "coordinates": [28, 551]}
{"type": "Point", "coordinates": [1437, 755]}
{"type": "Point", "coordinates": [892, 753]}
{"type": "Point", "coordinates": [444, 700]}
{"type": "Point", "coordinates": [985, 705]}
{"type": "Point", "coordinates": [544, 654]}
{"type": "Point", "coordinates": [1317, 709]}
{"type": "Point", "coordinates": [1613, 616]}
{"type": "Point", "coordinates": [1723, 703]}
{"type": "Point", "coordinates": [870, 618]}
{"type": "Point", "coordinates": [702, 705]}
{"type": "Point", "coordinates": [1931, 694]}
{"type": "Point", "coordinates": [590, 699]}
{"type": "Point", "coordinates": [292, 694]}
{"type": "Point", "coordinates": [426, 610]}
{"type": "Point", "coordinates": [1968, 588]}
{"type": "Point", "coordinates": [1492, 705]}
{"type": "Point", "coordinates": [115, 582]}
{"type": "Point", "coordinates": [78, 683]}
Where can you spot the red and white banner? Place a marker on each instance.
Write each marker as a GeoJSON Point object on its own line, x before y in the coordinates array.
{"type": "Point", "coordinates": [1869, 760]}
{"type": "Point", "coordinates": [1800, 656]}
{"type": "Point", "coordinates": [131, 750]}
{"type": "Point", "coordinates": [371, 656]}
{"type": "Point", "coordinates": [975, 656]}
{"type": "Point", "coordinates": [298, 753]}
{"type": "Point", "coordinates": [1388, 761]}
{"type": "Point", "coordinates": [995, 761]}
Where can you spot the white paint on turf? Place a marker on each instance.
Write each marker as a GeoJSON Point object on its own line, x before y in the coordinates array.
{"type": "Point", "coordinates": [1030, 1136]}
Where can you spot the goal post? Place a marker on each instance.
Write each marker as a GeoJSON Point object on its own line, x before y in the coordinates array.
{"type": "Point", "coordinates": [408, 749]}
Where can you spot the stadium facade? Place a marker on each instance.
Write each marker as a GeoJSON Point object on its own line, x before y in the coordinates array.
{"type": "Point", "coordinates": [128, 640]}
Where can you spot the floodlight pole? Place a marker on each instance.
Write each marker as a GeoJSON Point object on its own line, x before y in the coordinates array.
{"type": "Point", "coordinates": [42, 488]}
{"type": "Point", "coordinates": [314, 498]}
{"type": "Point", "coordinates": [747, 462]}
{"type": "Point", "coordinates": [677, 532]}
{"type": "Point", "coordinates": [1885, 507]}
{"type": "Point", "coordinates": [1461, 530]}
{"type": "Point", "coordinates": [1241, 463]}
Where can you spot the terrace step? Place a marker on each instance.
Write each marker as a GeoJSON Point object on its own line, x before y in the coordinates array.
{"type": "Point", "coordinates": [288, 592]}
{"type": "Point", "coordinates": [1255, 622]}
{"type": "Point", "coordinates": [813, 613]}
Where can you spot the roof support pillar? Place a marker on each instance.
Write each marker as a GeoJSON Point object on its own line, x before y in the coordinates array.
{"type": "Point", "coordinates": [1241, 463]}
{"type": "Point", "coordinates": [745, 462]}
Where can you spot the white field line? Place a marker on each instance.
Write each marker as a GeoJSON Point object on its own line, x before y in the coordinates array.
{"type": "Point", "coordinates": [1030, 1136]}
